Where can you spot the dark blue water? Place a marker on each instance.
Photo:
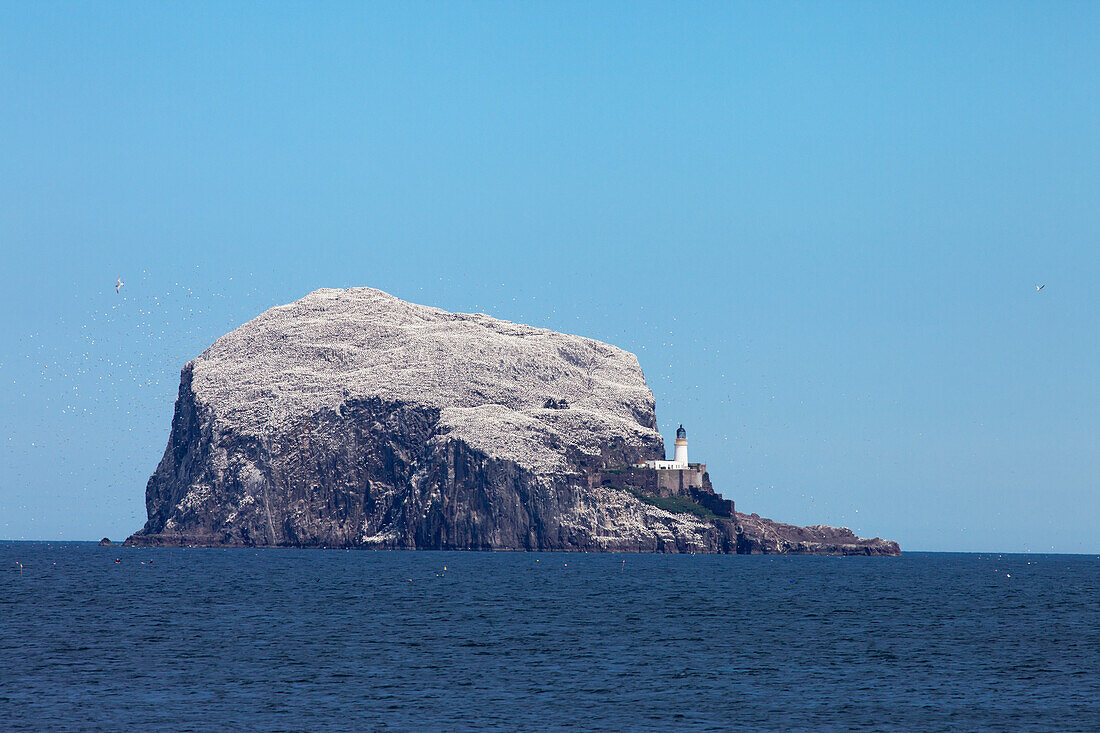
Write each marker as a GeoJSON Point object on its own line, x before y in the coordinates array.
{"type": "Point", "coordinates": [332, 640]}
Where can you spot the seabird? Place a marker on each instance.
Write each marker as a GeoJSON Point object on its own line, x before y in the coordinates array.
{"type": "Point", "coordinates": [119, 284]}
{"type": "Point", "coordinates": [1039, 287]}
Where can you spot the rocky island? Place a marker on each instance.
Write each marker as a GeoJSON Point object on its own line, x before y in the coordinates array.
{"type": "Point", "coordinates": [351, 418]}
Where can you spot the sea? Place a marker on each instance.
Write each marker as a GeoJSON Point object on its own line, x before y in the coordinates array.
{"type": "Point", "coordinates": [96, 638]}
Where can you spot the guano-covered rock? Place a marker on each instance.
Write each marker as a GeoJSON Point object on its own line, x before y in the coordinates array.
{"type": "Point", "coordinates": [351, 418]}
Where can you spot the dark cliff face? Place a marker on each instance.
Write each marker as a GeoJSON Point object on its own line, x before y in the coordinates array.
{"type": "Point", "coordinates": [353, 419]}
{"type": "Point", "coordinates": [371, 474]}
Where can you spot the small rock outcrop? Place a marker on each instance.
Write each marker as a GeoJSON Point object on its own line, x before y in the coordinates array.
{"type": "Point", "coordinates": [351, 418]}
{"type": "Point", "coordinates": [106, 542]}
{"type": "Point", "coordinates": [760, 536]}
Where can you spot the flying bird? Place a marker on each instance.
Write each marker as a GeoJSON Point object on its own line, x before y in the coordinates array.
{"type": "Point", "coordinates": [1039, 287]}
{"type": "Point", "coordinates": [119, 284]}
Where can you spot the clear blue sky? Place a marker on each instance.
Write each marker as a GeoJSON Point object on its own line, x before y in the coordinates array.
{"type": "Point", "coordinates": [819, 226]}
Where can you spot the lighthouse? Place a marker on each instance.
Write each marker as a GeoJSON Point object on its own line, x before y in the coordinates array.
{"type": "Point", "coordinates": [677, 471]}
{"type": "Point", "coordinates": [681, 456]}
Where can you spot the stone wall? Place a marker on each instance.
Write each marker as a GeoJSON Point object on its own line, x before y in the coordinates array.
{"type": "Point", "coordinates": [689, 483]}
{"type": "Point", "coordinates": [679, 482]}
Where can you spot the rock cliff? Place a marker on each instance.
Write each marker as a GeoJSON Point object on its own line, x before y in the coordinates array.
{"type": "Point", "coordinates": [351, 418]}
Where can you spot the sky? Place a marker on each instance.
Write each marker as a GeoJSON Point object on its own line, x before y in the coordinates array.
{"type": "Point", "coordinates": [820, 226]}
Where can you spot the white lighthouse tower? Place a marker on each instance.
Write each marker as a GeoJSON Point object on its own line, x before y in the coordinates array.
{"type": "Point", "coordinates": [681, 455]}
